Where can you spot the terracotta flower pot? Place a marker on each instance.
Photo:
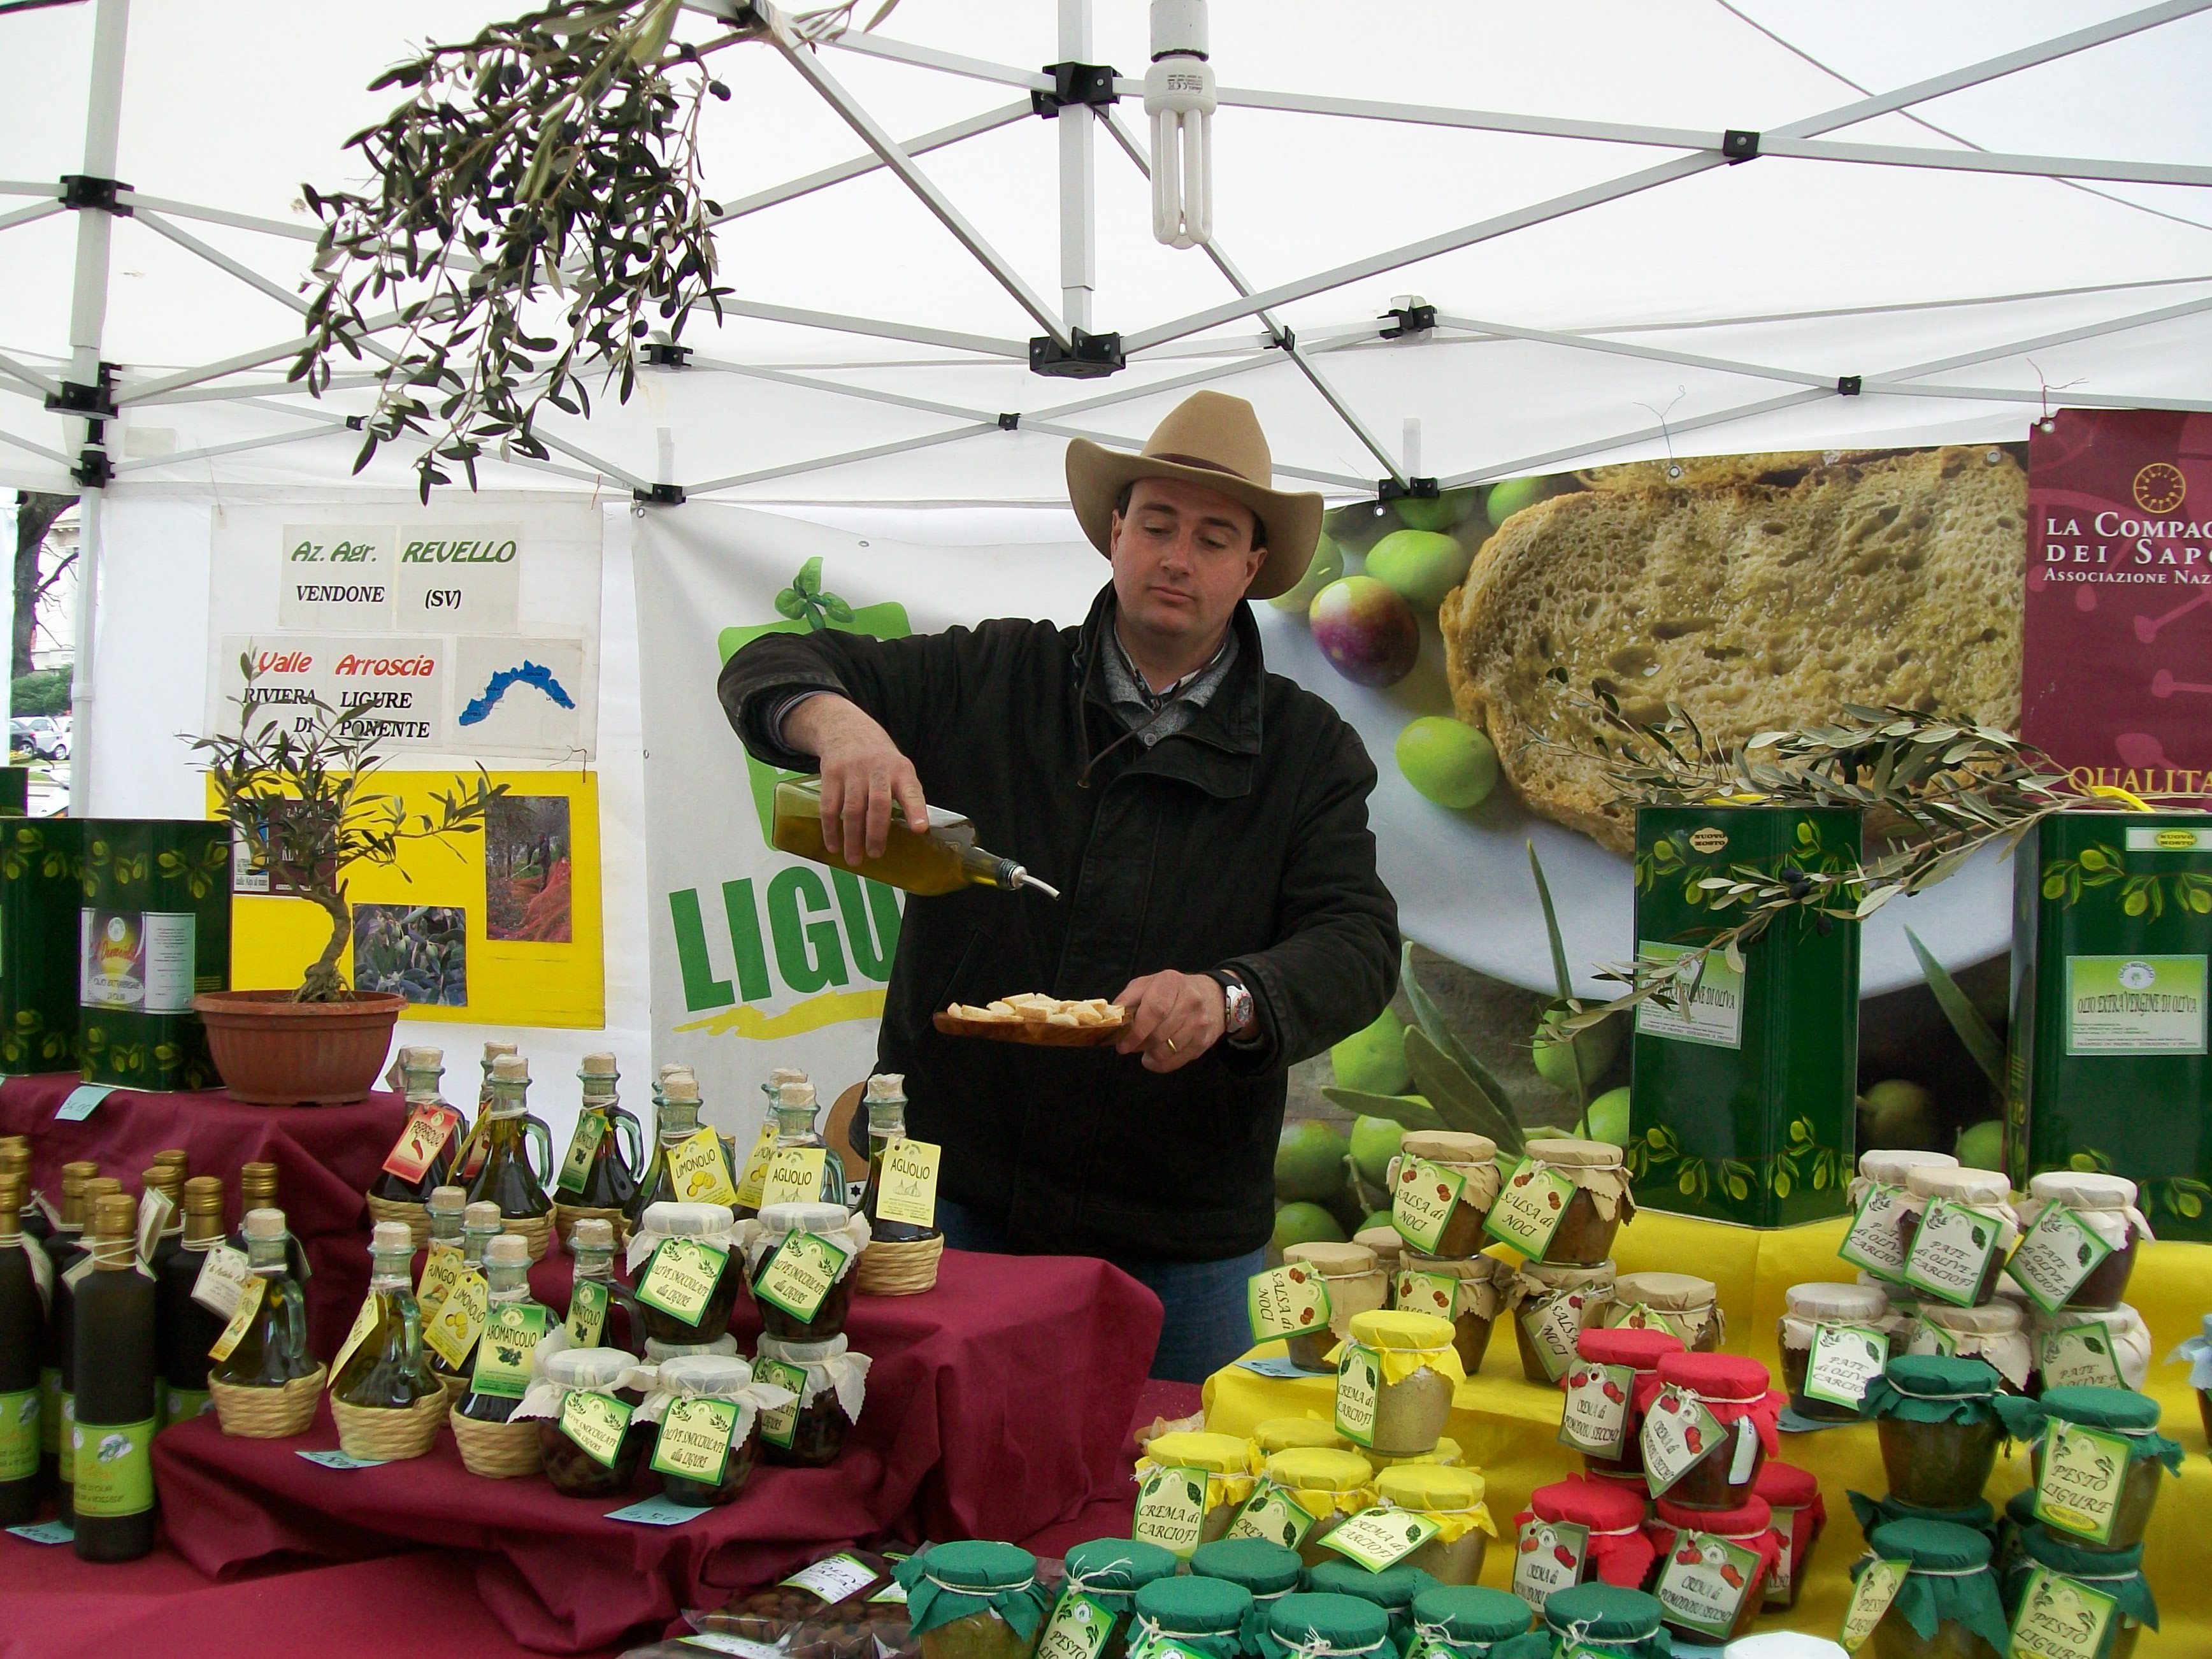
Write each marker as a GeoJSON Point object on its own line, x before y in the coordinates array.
{"type": "Point", "coordinates": [273, 1051]}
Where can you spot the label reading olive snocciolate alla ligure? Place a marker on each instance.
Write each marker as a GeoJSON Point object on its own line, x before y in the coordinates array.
{"type": "Point", "coordinates": [799, 1273]}
{"type": "Point", "coordinates": [694, 1442]}
{"type": "Point", "coordinates": [596, 1423]}
{"type": "Point", "coordinates": [780, 1426]}
{"type": "Point", "coordinates": [680, 1279]}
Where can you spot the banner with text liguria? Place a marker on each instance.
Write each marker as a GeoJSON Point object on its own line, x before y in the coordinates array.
{"type": "Point", "coordinates": [761, 959]}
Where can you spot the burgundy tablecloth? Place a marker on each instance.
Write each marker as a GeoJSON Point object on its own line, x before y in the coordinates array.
{"type": "Point", "coordinates": [998, 1404]}
{"type": "Point", "coordinates": [325, 1157]}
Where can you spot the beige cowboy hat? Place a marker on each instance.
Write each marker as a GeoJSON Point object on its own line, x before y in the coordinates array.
{"type": "Point", "coordinates": [1209, 439]}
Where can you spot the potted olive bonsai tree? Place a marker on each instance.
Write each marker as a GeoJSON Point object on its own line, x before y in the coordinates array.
{"type": "Point", "coordinates": [300, 793]}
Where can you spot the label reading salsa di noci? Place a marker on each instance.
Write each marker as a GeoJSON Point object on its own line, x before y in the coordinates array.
{"type": "Point", "coordinates": [1531, 1204]}
{"type": "Point", "coordinates": [1291, 1300]}
{"type": "Point", "coordinates": [1422, 1201]}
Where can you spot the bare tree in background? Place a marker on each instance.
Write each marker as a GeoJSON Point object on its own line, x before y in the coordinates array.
{"type": "Point", "coordinates": [35, 513]}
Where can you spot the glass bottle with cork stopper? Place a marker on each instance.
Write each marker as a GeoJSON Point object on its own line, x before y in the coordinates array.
{"type": "Point", "coordinates": [428, 1143]}
{"type": "Point", "coordinates": [507, 1178]}
{"type": "Point", "coordinates": [445, 1207]}
{"type": "Point", "coordinates": [23, 1292]}
{"type": "Point", "coordinates": [449, 1350]}
{"type": "Point", "coordinates": [65, 1287]}
{"type": "Point", "coordinates": [513, 1328]}
{"type": "Point", "coordinates": [256, 1190]}
{"type": "Point", "coordinates": [601, 1313]}
{"type": "Point", "coordinates": [942, 857]}
{"type": "Point", "coordinates": [885, 1100]}
{"type": "Point", "coordinates": [184, 1329]}
{"type": "Point", "coordinates": [470, 1156]}
{"type": "Point", "coordinates": [384, 1365]}
{"type": "Point", "coordinates": [112, 1437]}
{"type": "Point", "coordinates": [606, 1155]}
{"type": "Point", "coordinates": [796, 1106]}
{"type": "Point", "coordinates": [270, 1348]}
{"type": "Point", "coordinates": [677, 1121]}
{"type": "Point", "coordinates": [753, 1171]}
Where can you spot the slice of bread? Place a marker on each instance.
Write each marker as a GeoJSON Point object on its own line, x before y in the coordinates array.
{"type": "Point", "coordinates": [1754, 606]}
{"type": "Point", "coordinates": [1783, 467]}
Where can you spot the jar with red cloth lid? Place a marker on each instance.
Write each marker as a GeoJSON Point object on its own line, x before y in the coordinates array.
{"type": "Point", "coordinates": [1709, 1419]}
{"type": "Point", "coordinates": [1792, 1496]}
{"type": "Point", "coordinates": [1601, 1419]}
{"type": "Point", "coordinates": [1575, 1531]}
{"type": "Point", "coordinates": [1713, 1567]}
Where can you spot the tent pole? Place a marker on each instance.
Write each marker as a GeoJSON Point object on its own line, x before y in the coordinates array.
{"type": "Point", "coordinates": [1078, 184]}
{"type": "Point", "coordinates": [95, 229]}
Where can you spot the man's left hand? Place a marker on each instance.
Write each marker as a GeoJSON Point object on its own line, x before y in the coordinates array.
{"type": "Point", "coordinates": [1173, 1018]}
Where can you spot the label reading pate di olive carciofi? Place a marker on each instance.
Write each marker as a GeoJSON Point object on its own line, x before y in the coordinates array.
{"type": "Point", "coordinates": [1843, 1360]}
{"type": "Point", "coordinates": [1595, 1418]}
{"type": "Point", "coordinates": [1951, 1251]}
{"type": "Point", "coordinates": [2054, 1255]}
{"type": "Point", "coordinates": [2078, 1357]}
{"type": "Point", "coordinates": [1873, 1243]}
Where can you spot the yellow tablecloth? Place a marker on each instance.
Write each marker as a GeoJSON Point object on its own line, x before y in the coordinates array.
{"type": "Point", "coordinates": [1509, 1427]}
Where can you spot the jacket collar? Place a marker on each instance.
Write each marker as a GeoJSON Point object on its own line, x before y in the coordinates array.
{"type": "Point", "coordinates": [1216, 750]}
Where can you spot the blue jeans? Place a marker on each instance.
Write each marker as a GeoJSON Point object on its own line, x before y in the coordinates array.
{"type": "Point", "coordinates": [1207, 1325]}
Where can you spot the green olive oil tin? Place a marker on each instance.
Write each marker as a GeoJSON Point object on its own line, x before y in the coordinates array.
{"type": "Point", "coordinates": [153, 933]}
{"type": "Point", "coordinates": [41, 864]}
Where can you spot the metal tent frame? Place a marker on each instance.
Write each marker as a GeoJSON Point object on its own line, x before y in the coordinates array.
{"type": "Point", "coordinates": [85, 394]}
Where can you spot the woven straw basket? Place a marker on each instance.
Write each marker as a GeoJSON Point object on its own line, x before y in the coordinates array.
{"type": "Point", "coordinates": [497, 1451]}
{"type": "Point", "coordinates": [536, 1230]}
{"type": "Point", "coordinates": [566, 1216]}
{"type": "Point", "coordinates": [455, 1387]}
{"type": "Point", "coordinates": [268, 1413]}
{"type": "Point", "coordinates": [389, 1434]}
{"type": "Point", "coordinates": [898, 1269]}
{"type": "Point", "coordinates": [416, 1216]}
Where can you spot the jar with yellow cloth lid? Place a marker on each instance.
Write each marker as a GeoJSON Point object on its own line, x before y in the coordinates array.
{"type": "Point", "coordinates": [1565, 1201]}
{"type": "Point", "coordinates": [1225, 1460]}
{"type": "Point", "coordinates": [1454, 1499]}
{"type": "Point", "coordinates": [1442, 1186]}
{"type": "Point", "coordinates": [1467, 1292]}
{"type": "Point", "coordinates": [1683, 1304]}
{"type": "Point", "coordinates": [1356, 1283]}
{"type": "Point", "coordinates": [1331, 1487]}
{"type": "Point", "coordinates": [1553, 1305]}
{"type": "Point", "coordinates": [1395, 1380]}
{"type": "Point", "coordinates": [1275, 1434]}
{"type": "Point", "coordinates": [1446, 1451]}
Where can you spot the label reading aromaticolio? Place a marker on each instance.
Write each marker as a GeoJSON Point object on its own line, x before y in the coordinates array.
{"type": "Point", "coordinates": [1422, 1201]}
{"type": "Point", "coordinates": [1950, 1252]}
{"type": "Point", "coordinates": [1548, 1556]}
{"type": "Point", "coordinates": [2058, 1618]}
{"type": "Point", "coordinates": [2083, 1472]}
{"type": "Point", "coordinates": [2135, 1005]}
{"type": "Point", "coordinates": [799, 1272]}
{"type": "Point", "coordinates": [1595, 1418]}
{"type": "Point", "coordinates": [1710, 1012]}
{"type": "Point", "coordinates": [1703, 1581]}
{"type": "Point", "coordinates": [1873, 1242]}
{"type": "Point", "coordinates": [511, 1335]}
{"type": "Point", "coordinates": [1171, 1509]}
{"type": "Point", "coordinates": [1843, 1360]}
{"type": "Point", "coordinates": [680, 1279]}
{"type": "Point", "coordinates": [1358, 1382]}
{"type": "Point", "coordinates": [1287, 1301]}
{"type": "Point", "coordinates": [2055, 1256]}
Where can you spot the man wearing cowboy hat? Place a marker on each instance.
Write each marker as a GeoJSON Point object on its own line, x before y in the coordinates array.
{"type": "Point", "coordinates": [1205, 823]}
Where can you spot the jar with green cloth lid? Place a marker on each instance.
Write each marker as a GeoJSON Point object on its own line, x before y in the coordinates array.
{"type": "Point", "coordinates": [1273, 1434]}
{"type": "Point", "coordinates": [1097, 1598]}
{"type": "Point", "coordinates": [1621, 1621]}
{"type": "Point", "coordinates": [1977, 1517]}
{"type": "Point", "coordinates": [1442, 1186]}
{"type": "Point", "coordinates": [2097, 1458]}
{"type": "Point", "coordinates": [2197, 1350]}
{"type": "Point", "coordinates": [2089, 1347]}
{"type": "Point", "coordinates": [1467, 1292]}
{"type": "Point", "coordinates": [1956, 1226]}
{"type": "Point", "coordinates": [1395, 1380]}
{"type": "Point", "coordinates": [974, 1601]}
{"type": "Point", "coordinates": [1331, 1487]}
{"type": "Point", "coordinates": [1454, 1499]}
{"type": "Point", "coordinates": [1224, 1461]}
{"type": "Point", "coordinates": [1946, 1604]}
{"type": "Point", "coordinates": [1553, 1305]}
{"type": "Point", "coordinates": [2035, 1549]}
{"type": "Point", "coordinates": [1564, 1203]}
{"type": "Point", "coordinates": [1466, 1621]}
{"type": "Point", "coordinates": [1447, 1450]}
{"type": "Point", "coordinates": [1823, 1314]}
{"type": "Point", "coordinates": [1938, 1418]}
{"type": "Point", "coordinates": [2081, 1232]}
{"type": "Point", "coordinates": [1393, 1589]}
{"type": "Point", "coordinates": [1310, 1626]}
{"type": "Point", "coordinates": [1996, 1332]}
{"type": "Point", "coordinates": [1266, 1571]}
{"type": "Point", "coordinates": [1355, 1282]}
{"type": "Point", "coordinates": [1682, 1303]}
{"type": "Point", "coordinates": [1209, 1616]}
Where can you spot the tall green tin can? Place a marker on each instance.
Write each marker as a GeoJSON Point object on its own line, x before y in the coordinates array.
{"type": "Point", "coordinates": [41, 864]}
{"type": "Point", "coordinates": [1743, 1102]}
{"type": "Point", "coordinates": [2112, 929]}
{"type": "Point", "coordinates": [155, 931]}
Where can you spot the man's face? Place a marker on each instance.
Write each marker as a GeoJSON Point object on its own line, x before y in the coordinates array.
{"type": "Point", "coordinates": [1183, 558]}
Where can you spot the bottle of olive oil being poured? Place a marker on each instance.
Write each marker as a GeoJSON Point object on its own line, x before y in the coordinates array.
{"type": "Point", "coordinates": [65, 1290]}
{"type": "Point", "coordinates": [943, 858]}
{"type": "Point", "coordinates": [507, 1176]}
{"type": "Point", "coordinates": [264, 1345]}
{"type": "Point", "coordinates": [513, 1328]}
{"type": "Point", "coordinates": [186, 1329]}
{"type": "Point", "coordinates": [384, 1364]}
{"type": "Point", "coordinates": [113, 1435]}
{"type": "Point", "coordinates": [25, 1286]}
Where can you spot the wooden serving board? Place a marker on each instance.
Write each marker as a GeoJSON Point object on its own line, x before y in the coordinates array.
{"type": "Point", "coordinates": [1033, 1032]}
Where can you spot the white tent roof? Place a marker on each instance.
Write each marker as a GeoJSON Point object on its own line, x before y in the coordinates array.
{"type": "Point", "coordinates": [1596, 265]}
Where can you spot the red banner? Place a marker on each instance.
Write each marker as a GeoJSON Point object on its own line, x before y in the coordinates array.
{"type": "Point", "coordinates": [2116, 672]}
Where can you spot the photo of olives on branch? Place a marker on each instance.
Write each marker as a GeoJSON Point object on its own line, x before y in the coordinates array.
{"type": "Point", "coordinates": [419, 951]}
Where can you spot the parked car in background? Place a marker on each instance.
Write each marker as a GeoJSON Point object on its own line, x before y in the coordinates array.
{"type": "Point", "coordinates": [41, 736]}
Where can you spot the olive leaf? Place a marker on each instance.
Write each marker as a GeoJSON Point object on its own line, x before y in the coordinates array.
{"type": "Point", "coordinates": [1197, 1492]}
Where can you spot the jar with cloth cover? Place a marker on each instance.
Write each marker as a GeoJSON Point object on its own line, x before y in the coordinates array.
{"type": "Point", "coordinates": [1792, 1497]}
{"type": "Point", "coordinates": [1392, 1588]}
{"type": "Point", "coordinates": [1442, 1187]}
{"type": "Point", "coordinates": [1904, 1306]}
{"type": "Point", "coordinates": [1838, 1308]}
{"type": "Point", "coordinates": [1888, 1166]}
{"type": "Point", "coordinates": [1979, 1516]}
{"type": "Point", "coordinates": [1275, 1434]}
{"type": "Point", "coordinates": [1709, 1421]}
{"type": "Point", "coordinates": [1683, 1304]}
{"type": "Point", "coordinates": [2097, 1458]}
{"type": "Point", "coordinates": [708, 1411]}
{"type": "Point", "coordinates": [1355, 1282]}
{"type": "Point", "coordinates": [1309, 1625]}
{"type": "Point", "coordinates": [585, 1403]}
{"type": "Point", "coordinates": [1564, 1203]}
{"type": "Point", "coordinates": [1553, 1305]}
{"type": "Point", "coordinates": [1876, 1196]}
{"type": "Point", "coordinates": [1329, 1485]}
{"type": "Point", "coordinates": [1454, 1499]}
{"type": "Point", "coordinates": [1224, 1460]}
{"type": "Point", "coordinates": [2197, 1350]}
{"type": "Point", "coordinates": [1946, 1606]}
{"type": "Point", "coordinates": [684, 1282]}
{"type": "Point", "coordinates": [831, 1385]}
{"type": "Point", "coordinates": [1097, 1598]}
{"type": "Point", "coordinates": [1996, 1332]}
{"type": "Point", "coordinates": [1395, 1380]}
{"type": "Point", "coordinates": [1608, 1617]}
{"type": "Point", "coordinates": [2089, 1347]}
{"type": "Point", "coordinates": [1937, 1419]}
{"type": "Point", "coordinates": [1466, 1292]}
{"type": "Point", "coordinates": [1466, 1621]}
{"type": "Point", "coordinates": [1957, 1226]}
{"type": "Point", "coordinates": [1384, 1242]}
{"type": "Point", "coordinates": [1209, 1616]}
{"type": "Point", "coordinates": [1447, 1451]}
{"type": "Point", "coordinates": [1600, 1418]}
{"type": "Point", "coordinates": [2116, 1573]}
{"type": "Point", "coordinates": [1267, 1571]}
{"type": "Point", "coordinates": [1714, 1567]}
{"type": "Point", "coordinates": [974, 1601]}
{"type": "Point", "coordinates": [1577, 1530]}
{"type": "Point", "coordinates": [799, 1259]}
{"type": "Point", "coordinates": [2081, 1232]}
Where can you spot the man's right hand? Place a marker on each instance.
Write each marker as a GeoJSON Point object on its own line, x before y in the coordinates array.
{"type": "Point", "coordinates": [862, 773]}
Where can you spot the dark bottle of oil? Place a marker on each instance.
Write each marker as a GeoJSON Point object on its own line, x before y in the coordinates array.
{"type": "Point", "coordinates": [270, 1348]}
{"type": "Point", "coordinates": [15, 1157]}
{"type": "Point", "coordinates": [471, 1157]}
{"type": "Point", "coordinates": [168, 1180]}
{"type": "Point", "coordinates": [451, 1349]}
{"type": "Point", "coordinates": [23, 1322]}
{"type": "Point", "coordinates": [432, 1136]}
{"type": "Point", "coordinates": [113, 1435]}
{"type": "Point", "coordinates": [499, 1375]}
{"type": "Point", "coordinates": [509, 1178]}
{"type": "Point", "coordinates": [256, 1190]}
{"type": "Point", "coordinates": [388, 1369]}
{"type": "Point", "coordinates": [67, 1247]}
{"type": "Point", "coordinates": [886, 1105]}
{"type": "Point", "coordinates": [65, 1290]}
{"type": "Point", "coordinates": [185, 1330]}
{"type": "Point", "coordinates": [601, 1314]}
{"type": "Point", "coordinates": [606, 1155]}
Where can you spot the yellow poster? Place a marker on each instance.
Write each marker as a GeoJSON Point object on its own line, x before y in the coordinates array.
{"type": "Point", "coordinates": [499, 927]}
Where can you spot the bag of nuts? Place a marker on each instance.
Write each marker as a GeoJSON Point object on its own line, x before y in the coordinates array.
{"type": "Point", "coordinates": [846, 1605]}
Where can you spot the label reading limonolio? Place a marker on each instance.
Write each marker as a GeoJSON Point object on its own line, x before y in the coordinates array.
{"type": "Point", "coordinates": [2135, 1005]}
{"type": "Point", "coordinates": [699, 1170]}
{"type": "Point", "coordinates": [460, 1321]}
{"type": "Point", "coordinates": [1711, 1011]}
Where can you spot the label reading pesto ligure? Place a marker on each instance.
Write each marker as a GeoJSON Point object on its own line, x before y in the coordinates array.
{"type": "Point", "coordinates": [1876, 1588]}
{"type": "Point", "coordinates": [1843, 1360]}
{"type": "Point", "coordinates": [1379, 1538]}
{"type": "Point", "coordinates": [2059, 1618]}
{"type": "Point", "coordinates": [1951, 1251]}
{"type": "Point", "coordinates": [2083, 1472]}
{"type": "Point", "coordinates": [2078, 1357]}
{"type": "Point", "coordinates": [799, 1273]}
{"type": "Point", "coordinates": [680, 1279]}
{"type": "Point", "coordinates": [1290, 1300]}
{"type": "Point", "coordinates": [1078, 1629]}
{"type": "Point", "coordinates": [780, 1426]}
{"type": "Point", "coordinates": [1531, 1204]}
{"type": "Point", "coordinates": [1358, 1383]}
{"type": "Point", "coordinates": [19, 1435]}
{"type": "Point", "coordinates": [1422, 1201]}
{"type": "Point", "coordinates": [1552, 1323]}
{"type": "Point", "coordinates": [1271, 1513]}
{"type": "Point", "coordinates": [2135, 1005]}
{"type": "Point", "coordinates": [1171, 1509]}
{"type": "Point", "coordinates": [1595, 1417]}
{"type": "Point", "coordinates": [1703, 1583]}
{"type": "Point", "coordinates": [1679, 1433]}
{"type": "Point", "coordinates": [1709, 1012]}
{"type": "Point", "coordinates": [2054, 1255]}
{"type": "Point", "coordinates": [596, 1423]}
{"type": "Point", "coordinates": [114, 1465]}
{"type": "Point", "coordinates": [1548, 1556]}
{"type": "Point", "coordinates": [1874, 1242]}
{"type": "Point", "coordinates": [694, 1442]}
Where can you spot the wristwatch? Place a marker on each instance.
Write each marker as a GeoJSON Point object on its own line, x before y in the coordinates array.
{"type": "Point", "coordinates": [1237, 1013]}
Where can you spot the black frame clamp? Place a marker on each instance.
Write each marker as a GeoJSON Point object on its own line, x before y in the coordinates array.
{"type": "Point", "coordinates": [1411, 319]}
{"type": "Point", "coordinates": [1420, 490]}
{"type": "Point", "coordinates": [1088, 84]}
{"type": "Point", "coordinates": [660, 495]}
{"type": "Point", "coordinates": [1088, 358]}
{"type": "Point", "coordinates": [1847, 385]}
{"type": "Point", "coordinates": [1010, 422]}
{"type": "Point", "coordinates": [1739, 145]}
{"type": "Point", "coordinates": [1284, 339]}
{"type": "Point", "coordinates": [664, 354]}
{"type": "Point", "coordinates": [95, 402]}
{"type": "Point", "coordinates": [81, 191]}
{"type": "Point", "coordinates": [93, 471]}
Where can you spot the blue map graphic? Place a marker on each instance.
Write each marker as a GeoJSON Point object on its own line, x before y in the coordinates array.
{"type": "Point", "coordinates": [531, 673]}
